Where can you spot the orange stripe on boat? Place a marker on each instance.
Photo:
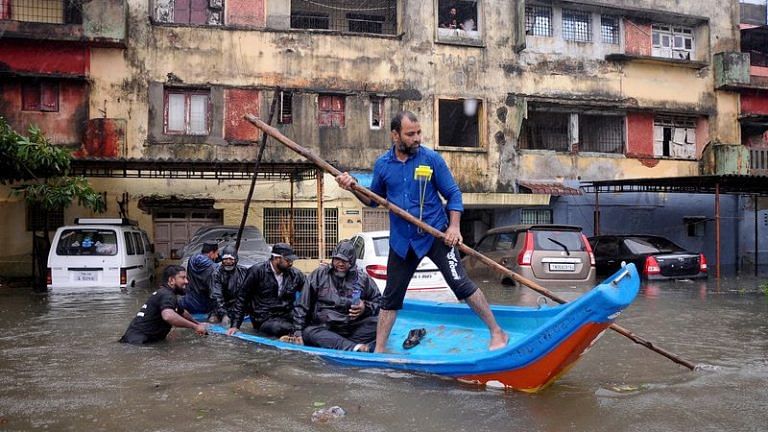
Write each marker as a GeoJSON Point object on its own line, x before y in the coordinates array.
{"type": "Point", "coordinates": [537, 375]}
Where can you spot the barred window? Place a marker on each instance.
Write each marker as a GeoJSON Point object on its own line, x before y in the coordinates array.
{"type": "Point", "coordinates": [601, 133]}
{"type": "Point", "coordinates": [303, 231]}
{"type": "Point", "coordinates": [538, 20]}
{"type": "Point", "coordinates": [609, 28]}
{"type": "Point", "coordinates": [286, 108]}
{"type": "Point", "coordinates": [577, 25]}
{"type": "Point", "coordinates": [368, 16]}
{"type": "Point", "coordinates": [43, 11]}
{"type": "Point", "coordinates": [536, 216]}
{"type": "Point", "coordinates": [545, 131]}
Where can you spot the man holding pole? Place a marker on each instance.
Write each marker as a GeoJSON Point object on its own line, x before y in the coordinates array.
{"type": "Point", "coordinates": [413, 177]}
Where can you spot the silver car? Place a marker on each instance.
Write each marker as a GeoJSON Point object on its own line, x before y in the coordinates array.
{"type": "Point", "coordinates": [550, 255]}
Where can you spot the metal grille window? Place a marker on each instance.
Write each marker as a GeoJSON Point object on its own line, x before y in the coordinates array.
{"type": "Point", "coordinates": [577, 25]}
{"type": "Point", "coordinates": [601, 133]}
{"type": "Point", "coordinates": [277, 228]}
{"type": "Point", "coordinates": [538, 20]}
{"type": "Point", "coordinates": [286, 108]}
{"type": "Point", "coordinates": [43, 11]}
{"type": "Point", "coordinates": [354, 16]}
{"type": "Point", "coordinates": [375, 219]}
{"type": "Point", "coordinates": [536, 216]}
{"type": "Point", "coordinates": [36, 218]}
{"type": "Point", "coordinates": [187, 112]}
{"type": "Point", "coordinates": [546, 131]}
{"type": "Point", "coordinates": [609, 29]}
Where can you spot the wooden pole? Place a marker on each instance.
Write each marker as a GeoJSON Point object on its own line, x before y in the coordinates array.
{"type": "Point", "coordinates": [440, 235]}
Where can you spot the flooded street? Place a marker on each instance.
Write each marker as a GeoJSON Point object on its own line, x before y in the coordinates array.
{"type": "Point", "coordinates": [62, 369]}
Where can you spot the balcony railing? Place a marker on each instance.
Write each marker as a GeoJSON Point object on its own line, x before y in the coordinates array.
{"type": "Point", "coordinates": [758, 161]}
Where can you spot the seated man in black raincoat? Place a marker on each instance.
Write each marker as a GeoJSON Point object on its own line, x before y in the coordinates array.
{"type": "Point", "coordinates": [339, 308]}
{"type": "Point", "coordinates": [226, 283]}
{"type": "Point", "coordinates": [269, 292]}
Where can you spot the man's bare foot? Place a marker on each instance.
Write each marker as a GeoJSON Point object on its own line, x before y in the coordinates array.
{"type": "Point", "coordinates": [498, 340]}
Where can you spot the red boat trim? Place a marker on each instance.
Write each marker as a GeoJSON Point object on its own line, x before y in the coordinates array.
{"type": "Point", "coordinates": [537, 375]}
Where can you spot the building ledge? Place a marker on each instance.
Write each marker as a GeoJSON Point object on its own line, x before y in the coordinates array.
{"type": "Point", "coordinates": [690, 64]}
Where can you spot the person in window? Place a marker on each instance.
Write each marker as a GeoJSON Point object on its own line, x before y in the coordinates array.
{"type": "Point", "coordinates": [226, 282]}
{"type": "Point", "coordinates": [339, 308]}
{"type": "Point", "coordinates": [161, 312]}
{"type": "Point", "coordinates": [396, 178]}
{"type": "Point", "coordinates": [269, 292]}
{"type": "Point", "coordinates": [199, 270]}
{"type": "Point", "coordinates": [452, 20]}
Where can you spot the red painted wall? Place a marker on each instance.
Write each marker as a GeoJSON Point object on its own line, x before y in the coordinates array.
{"type": "Point", "coordinates": [637, 38]}
{"type": "Point", "coordinates": [46, 57]}
{"type": "Point", "coordinates": [754, 103]}
{"type": "Point", "coordinates": [64, 126]}
{"type": "Point", "coordinates": [639, 134]}
{"type": "Point", "coordinates": [245, 13]}
{"type": "Point", "coordinates": [237, 103]}
{"type": "Point", "coordinates": [104, 137]}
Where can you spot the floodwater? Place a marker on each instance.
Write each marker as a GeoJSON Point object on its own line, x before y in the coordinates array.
{"type": "Point", "coordinates": [61, 369]}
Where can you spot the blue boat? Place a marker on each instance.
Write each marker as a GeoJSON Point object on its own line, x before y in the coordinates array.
{"type": "Point", "coordinates": [544, 341]}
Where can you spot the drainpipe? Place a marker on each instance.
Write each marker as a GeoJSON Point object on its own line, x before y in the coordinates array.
{"type": "Point", "coordinates": [717, 231]}
{"type": "Point", "coordinates": [320, 217]}
{"type": "Point", "coordinates": [754, 203]}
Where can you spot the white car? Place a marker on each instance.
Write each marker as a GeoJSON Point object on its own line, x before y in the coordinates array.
{"type": "Point", "coordinates": [372, 250]}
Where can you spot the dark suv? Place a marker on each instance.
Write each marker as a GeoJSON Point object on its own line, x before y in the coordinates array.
{"type": "Point", "coordinates": [550, 255]}
{"type": "Point", "coordinates": [656, 257]}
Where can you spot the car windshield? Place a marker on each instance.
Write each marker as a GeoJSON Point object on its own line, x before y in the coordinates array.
{"type": "Point", "coordinates": [568, 241]}
{"type": "Point", "coordinates": [650, 245]}
{"type": "Point", "coordinates": [85, 241]}
{"type": "Point", "coordinates": [381, 246]}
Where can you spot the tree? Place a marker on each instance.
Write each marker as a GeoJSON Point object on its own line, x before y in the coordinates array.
{"type": "Point", "coordinates": [38, 170]}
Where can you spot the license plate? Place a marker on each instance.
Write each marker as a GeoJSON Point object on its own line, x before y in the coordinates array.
{"type": "Point", "coordinates": [86, 276]}
{"type": "Point", "coordinates": [562, 267]}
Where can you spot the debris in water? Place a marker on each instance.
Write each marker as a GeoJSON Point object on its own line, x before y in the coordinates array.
{"type": "Point", "coordinates": [325, 415]}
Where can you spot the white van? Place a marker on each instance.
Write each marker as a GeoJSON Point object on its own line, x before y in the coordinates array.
{"type": "Point", "coordinates": [101, 253]}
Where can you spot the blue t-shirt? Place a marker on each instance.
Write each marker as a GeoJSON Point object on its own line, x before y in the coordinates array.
{"type": "Point", "coordinates": [394, 180]}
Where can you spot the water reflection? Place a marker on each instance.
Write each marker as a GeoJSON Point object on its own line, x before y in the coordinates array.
{"type": "Point", "coordinates": [62, 369]}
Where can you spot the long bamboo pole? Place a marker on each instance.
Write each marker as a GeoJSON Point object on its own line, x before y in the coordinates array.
{"type": "Point", "coordinates": [440, 235]}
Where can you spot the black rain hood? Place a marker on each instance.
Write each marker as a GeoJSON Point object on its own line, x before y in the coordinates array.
{"type": "Point", "coordinates": [346, 251]}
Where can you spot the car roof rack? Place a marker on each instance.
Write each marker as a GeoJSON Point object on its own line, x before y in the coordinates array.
{"type": "Point", "coordinates": [105, 221]}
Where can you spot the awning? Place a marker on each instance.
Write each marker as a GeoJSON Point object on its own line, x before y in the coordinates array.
{"type": "Point", "coordinates": [548, 188]}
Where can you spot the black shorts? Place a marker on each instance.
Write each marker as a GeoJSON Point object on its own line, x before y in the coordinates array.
{"type": "Point", "coordinates": [400, 271]}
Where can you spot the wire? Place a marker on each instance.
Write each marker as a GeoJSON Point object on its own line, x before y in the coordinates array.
{"type": "Point", "coordinates": [353, 9]}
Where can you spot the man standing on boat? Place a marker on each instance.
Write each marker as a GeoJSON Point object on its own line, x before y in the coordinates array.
{"type": "Point", "coordinates": [413, 177]}
{"type": "Point", "coordinates": [339, 307]}
{"type": "Point", "coordinates": [226, 282]}
{"type": "Point", "coordinates": [162, 311]}
{"type": "Point", "coordinates": [199, 270]}
{"type": "Point", "coordinates": [269, 293]}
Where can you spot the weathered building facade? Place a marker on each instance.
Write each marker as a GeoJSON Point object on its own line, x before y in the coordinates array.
{"type": "Point", "coordinates": [521, 98]}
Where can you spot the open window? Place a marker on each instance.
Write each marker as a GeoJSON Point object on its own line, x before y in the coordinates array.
{"type": "Point", "coordinates": [376, 112]}
{"type": "Point", "coordinates": [366, 17]}
{"type": "Point", "coordinates": [674, 137]}
{"type": "Point", "coordinates": [285, 115]}
{"type": "Point", "coordinates": [459, 122]}
{"type": "Point", "coordinates": [458, 20]}
{"type": "Point", "coordinates": [562, 129]}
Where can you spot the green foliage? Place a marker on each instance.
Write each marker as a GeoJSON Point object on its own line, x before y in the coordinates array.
{"type": "Point", "coordinates": [42, 167]}
{"type": "Point", "coordinates": [764, 288]}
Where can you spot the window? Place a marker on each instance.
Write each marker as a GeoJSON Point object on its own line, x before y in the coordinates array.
{"type": "Point", "coordinates": [674, 137]}
{"type": "Point", "coordinates": [458, 18]}
{"type": "Point", "coordinates": [330, 111]}
{"type": "Point", "coordinates": [309, 20]}
{"type": "Point", "coordinates": [601, 133]}
{"type": "Point", "coordinates": [546, 131]}
{"type": "Point", "coordinates": [200, 12]}
{"type": "Point", "coordinates": [672, 42]}
{"type": "Point", "coordinates": [375, 115]}
{"type": "Point", "coordinates": [302, 235]}
{"type": "Point", "coordinates": [87, 241]}
{"type": "Point", "coordinates": [138, 243]}
{"type": "Point", "coordinates": [459, 122]}
{"type": "Point", "coordinates": [536, 216]}
{"type": "Point", "coordinates": [285, 115]}
{"type": "Point", "coordinates": [361, 23]}
{"type": "Point", "coordinates": [187, 112]}
{"type": "Point", "coordinates": [40, 95]}
{"type": "Point", "coordinates": [609, 29]}
{"type": "Point", "coordinates": [43, 11]}
{"type": "Point", "coordinates": [577, 25]}
{"type": "Point", "coordinates": [538, 21]}
{"type": "Point", "coordinates": [37, 217]}
{"type": "Point", "coordinates": [129, 246]}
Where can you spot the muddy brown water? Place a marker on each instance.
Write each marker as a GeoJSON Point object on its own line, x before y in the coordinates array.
{"type": "Point", "coordinates": [61, 369]}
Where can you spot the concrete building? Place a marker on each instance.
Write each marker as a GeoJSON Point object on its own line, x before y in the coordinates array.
{"type": "Point", "coordinates": [523, 99]}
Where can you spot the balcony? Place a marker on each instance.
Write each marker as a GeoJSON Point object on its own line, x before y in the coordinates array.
{"type": "Point", "coordinates": [98, 23]}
